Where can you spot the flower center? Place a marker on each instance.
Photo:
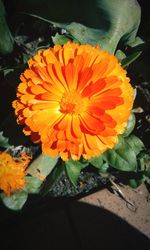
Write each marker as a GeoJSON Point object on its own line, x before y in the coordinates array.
{"type": "Point", "coordinates": [72, 103]}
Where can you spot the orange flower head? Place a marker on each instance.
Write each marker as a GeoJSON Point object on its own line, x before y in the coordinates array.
{"type": "Point", "coordinates": [12, 172]}
{"type": "Point", "coordinates": [75, 100]}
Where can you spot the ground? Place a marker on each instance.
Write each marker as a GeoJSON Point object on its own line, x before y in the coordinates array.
{"type": "Point", "coordinates": [138, 216]}
{"type": "Point", "coordinates": [101, 220]}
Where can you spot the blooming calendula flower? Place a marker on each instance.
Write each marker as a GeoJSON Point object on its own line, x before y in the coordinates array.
{"type": "Point", "coordinates": [75, 100]}
{"type": "Point", "coordinates": [12, 172]}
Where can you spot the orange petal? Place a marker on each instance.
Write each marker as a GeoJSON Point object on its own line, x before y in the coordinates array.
{"type": "Point", "coordinates": [43, 73]}
{"type": "Point", "coordinates": [62, 124]}
{"type": "Point", "coordinates": [107, 119]}
{"type": "Point", "coordinates": [91, 124]}
{"type": "Point", "coordinates": [76, 130]}
{"type": "Point", "coordinates": [84, 78]}
{"type": "Point", "coordinates": [37, 89]}
{"type": "Point", "coordinates": [47, 96]}
{"type": "Point", "coordinates": [96, 110]}
{"type": "Point", "coordinates": [54, 80]}
{"type": "Point", "coordinates": [45, 105]}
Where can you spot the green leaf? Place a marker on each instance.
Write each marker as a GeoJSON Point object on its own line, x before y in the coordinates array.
{"type": "Point", "coordinates": [147, 173]}
{"type": "Point", "coordinates": [73, 169]}
{"type": "Point", "coordinates": [120, 55]}
{"type": "Point", "coordinates": [3, 141]}
{"type": "Point", "coordinates": [122, 157]}
{"type": "Point", "coordinates": [130, 125]}
{"type": "Point", "coordinates": [134, 183]}
{"type": "Point", "coordinates": [146, 179]}
{"type": "Point", "coordinates": [137, 47]}
{"type": "Point", "coordinates": [42, 166]}
{"type": "Point", "coordinates": [104, 168]}
{"type": "Point", "coordinates": [15, 201]}
{"type": "Point", "coordinates": [106, 20]}
{"type": "Point", "coordinates": [52, 178]}
{"type": "Point", "coordinates": [96, 161]}
{"type": "Point", "coordinates": [144, 161]}
{"type": "Point", "coordinates": [131, 58]}
{"type": "Point", "coordinates": [84, 162]}
{"type": "Point", "coordinates": [146, 176]}
{"type": "Point", "coordinates": [135, 143]}
{"type": "Point", "coordinates": [137, 44]}
{"type": "Point", "coordinates": [33, 185]}
{"type": "Point", "coordinates": [7, 71]}
{"type": "Point", "coordinates": [60, 39]}
{"type": "Point", "coordinates": [26, 57]}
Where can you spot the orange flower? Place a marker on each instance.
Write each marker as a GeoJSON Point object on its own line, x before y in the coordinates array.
{"type": "Point", "coordinates": [12, 172]}
{"type": "Point", "coordinates": [75, 100]}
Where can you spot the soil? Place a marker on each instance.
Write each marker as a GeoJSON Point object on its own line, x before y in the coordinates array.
{"type": "Point", "coordinates": [132, 205]}
{"type": "Point", "coordinates": [137, 215]}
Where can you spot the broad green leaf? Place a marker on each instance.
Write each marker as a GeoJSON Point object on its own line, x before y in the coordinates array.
{"type": "Point", "coordinates": [42, 166]}
{"type": "Point", "coordinates": [73, 169]}
{"type": "Point", "coordinates": [3, 141]}
{"type": "Point", "coordinates": [6, 40]}
{"type": "Point", "coordinates": [135, 143]}
{"type": "Point", "coordinates": [82, 33]}
{"type": "Point", "coordinates": [137, 44]}
{"type": "Point", "coordinates": [105, 22]}
{"type": "Point", "coordinates": [130, 125]}
{"type": "Point", "coordinates": [15, 201]}
{"type": "Point", "coordinates": [112, 17]}
{"type": "Point", "coordinates": [96, 161]}
{"type": "Point", "coordinates": [122, 157]}
{"type": "Point", "coordinates": [33, 185]}
{"type": "Point", "coordinates": [52, 178]}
